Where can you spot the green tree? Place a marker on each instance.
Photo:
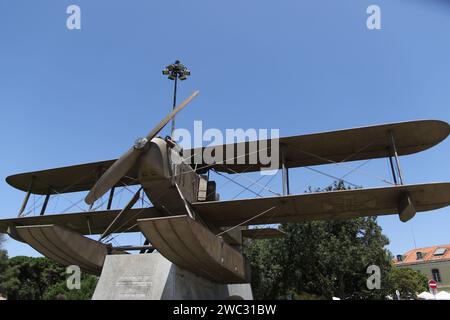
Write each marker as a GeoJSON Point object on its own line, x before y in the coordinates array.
{"type": "Point", "coordinates": [3, 270]}
{"type": "Point", "coordinates": [320, 259]}
{"type": "Point", "coordinates": [3, 265]}
{"type": "Point", "coordinates": [3, 262]}
{"type": "Point", "coordinates": [27, 278]}
{"type": "Point", "coordinates": [87, 288]}
{"type": "Point", "coordinates": [407, 281]}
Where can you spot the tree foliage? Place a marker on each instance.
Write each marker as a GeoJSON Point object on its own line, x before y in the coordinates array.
{"type": "Point", "coordinates": [60, 289]}
{"type": "Point", "coordinates": [3, 268]}
{"type": "Point", "coordinates": [28, 278]}
{"type": "Point", "coordinates": [407, 281]}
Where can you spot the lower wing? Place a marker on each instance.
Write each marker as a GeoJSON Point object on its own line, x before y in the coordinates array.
{"type": "Point", "coordinates": [343, 204]}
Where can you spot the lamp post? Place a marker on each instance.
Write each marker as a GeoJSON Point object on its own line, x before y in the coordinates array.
{"type": "Point", "coordinates": [174, 72]}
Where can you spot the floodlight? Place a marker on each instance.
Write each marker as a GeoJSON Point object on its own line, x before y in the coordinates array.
{"type": "Point", "coordinates": [174, 72]}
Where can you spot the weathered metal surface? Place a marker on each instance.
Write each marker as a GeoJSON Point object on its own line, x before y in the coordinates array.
{"type": "Point", "coordinates": [406, 209]}
{"type": "Point", "coordinates": [65, 246]}
{"type": "Point", "coordinates": [193, 247]}
{"type": "Point", "coordinates": [262, 233]}
{"type": "Point", "coordinates": [311, 149]}
{"type": "Point", "coordinates": [85, 222]}
{"type": "Point", "coordinates": [67, 179]}
{"type": "Point", "coordinates": [345, 145]}
{"type": "Point", "coordinates": [167, 186]}
{"type": "Point", "coordinates": [324, 205]}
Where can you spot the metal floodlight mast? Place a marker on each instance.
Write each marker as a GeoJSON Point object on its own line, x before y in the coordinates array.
{"type": "Point", "coordinates": [174, 72]}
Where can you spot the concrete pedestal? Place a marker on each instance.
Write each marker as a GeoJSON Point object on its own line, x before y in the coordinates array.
{"type": "Point", "coordinates": [153, 277]}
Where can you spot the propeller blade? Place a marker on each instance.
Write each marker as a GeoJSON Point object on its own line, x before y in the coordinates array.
{"type": "Point", "coordinates": [120, 168]}
{"type": "Point", "coordinates": [113, 175]}
{"type": "Point", "coordinates": [169, 117]}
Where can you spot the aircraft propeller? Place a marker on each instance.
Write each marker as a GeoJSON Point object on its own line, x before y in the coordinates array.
{"type": "Point", "coordinates": [122, 165]}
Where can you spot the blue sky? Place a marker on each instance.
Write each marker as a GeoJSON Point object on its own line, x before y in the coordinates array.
{"type": "Point", "coordinates": [69, 97]}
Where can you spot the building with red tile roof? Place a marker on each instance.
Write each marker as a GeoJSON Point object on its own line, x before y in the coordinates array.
{"type": "Point", "coordinates": [433, 261]}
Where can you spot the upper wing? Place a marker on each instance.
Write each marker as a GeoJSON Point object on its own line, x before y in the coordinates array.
{"type": "Point", "coordinates": [312, 149]}
{"type": "Point", "coordinates": [67, 179]}
{"type": "Point", "coordinates": [336, 146]}
{"type": "Point", "coordinates": [323, 205]}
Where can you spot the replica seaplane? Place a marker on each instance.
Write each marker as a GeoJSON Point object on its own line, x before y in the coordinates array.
{"type": "Point", "coordinates": [189, 225]}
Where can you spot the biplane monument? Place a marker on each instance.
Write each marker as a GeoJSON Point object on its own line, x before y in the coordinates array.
{"type": "Point", "coordinates": [198, 234]}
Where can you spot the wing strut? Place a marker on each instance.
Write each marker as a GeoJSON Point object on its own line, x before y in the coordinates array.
{"type": "Point", "coordinates": [399, 174]}
{"type": "Point", "coordinates": [44, 206]}
{"type": "Point", "coordinates": [27, 197]}
{"type": "Point", "coordinates": [111, 197]}
{"type": "Point", "coordinates": [285, 172]}
{"type": "Point", "coordinates": [124, 211]}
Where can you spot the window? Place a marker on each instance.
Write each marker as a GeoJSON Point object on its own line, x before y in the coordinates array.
{"type": "Point", "coordinates": [436, 275]}
{"type": "Point", "coordinates": [419, 255]}
{"type": "Point", "coordinates": [440, 251]}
